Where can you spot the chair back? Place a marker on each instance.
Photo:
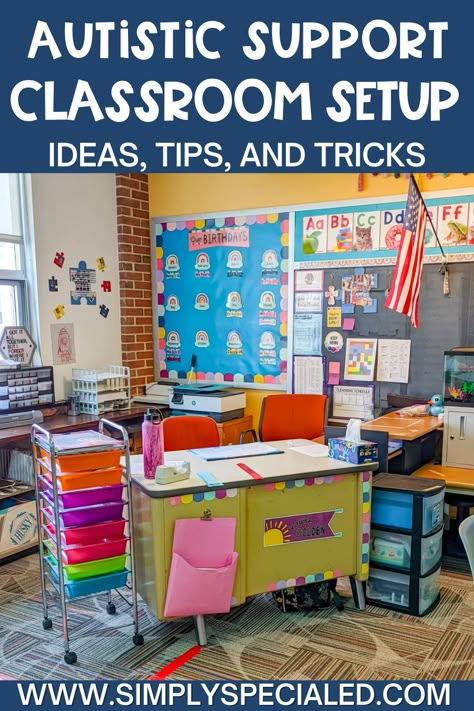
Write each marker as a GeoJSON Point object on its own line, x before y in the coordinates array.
{"type": "Point", "coordinates": [380, 439]}
{"type": "Point", "coordinates": [189, 432]}
{"type": "Point", "coordinates": [466, 534]}
{"type": "Point", "coordinates": [292, 417]}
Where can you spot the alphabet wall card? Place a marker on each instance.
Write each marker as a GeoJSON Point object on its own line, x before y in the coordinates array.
{"type": "Point", "coordinates": [391, 228]}
{"type": "Point", "coordinates": [452, 224]}
{"type": "Point", "coordinates": [315, 233]}
{"type": "Point", "coordinates": [309, 280]}
{"type": "Point", "coordinates": [366, 235]}
{"type": "Point", "coordinates": [470, 230]}
{"type": "Point", "coordinates": [62, 343]}
{"type": "Point", "coordinates": [430, 237]}
{"type": "Point", "coordinates": [83, 280]}
{"type": "Point", "coordinates": [340, 232]}
{"type": "Point", "coordinates": [360, 359]}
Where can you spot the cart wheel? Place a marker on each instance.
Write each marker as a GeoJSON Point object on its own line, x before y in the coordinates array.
{"type": "Point", "coordinates": [138, 640]}
{"type": "Point", "coordinates": [111, 609]}
{"type": "Point", "coordinates": [70, 657]}
{"type": "Point", "coordinates": [47, 623]}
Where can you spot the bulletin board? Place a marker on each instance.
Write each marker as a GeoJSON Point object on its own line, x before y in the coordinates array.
{"type": "Point", "coordinates": [221, 288]}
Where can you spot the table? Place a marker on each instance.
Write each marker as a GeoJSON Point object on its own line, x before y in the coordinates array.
{"type": "Point", "coordinates": [418, 435]}
{"type": "Point", "coordinates": [292, 485]}
{"type": "Point", "coordinates": [458, 480]}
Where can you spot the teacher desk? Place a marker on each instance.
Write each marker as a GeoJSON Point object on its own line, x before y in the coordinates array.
{"type": "Point", "coordinates": [418, 436]}
{"type": "Point", "coordinates": [276, 540]}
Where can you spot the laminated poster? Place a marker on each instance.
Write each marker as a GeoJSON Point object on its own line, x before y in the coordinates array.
{"type": "Point", "coordinates": [360, 359]}
{"type": "Point", "coordinates": [62, 343]}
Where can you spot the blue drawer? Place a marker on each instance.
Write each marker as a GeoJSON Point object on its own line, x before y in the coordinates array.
{"type": "Point", "coordinates": [87, 586]}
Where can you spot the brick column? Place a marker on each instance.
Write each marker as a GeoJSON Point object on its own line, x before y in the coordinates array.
{"type": "Point", "coordinates": [134, 249]}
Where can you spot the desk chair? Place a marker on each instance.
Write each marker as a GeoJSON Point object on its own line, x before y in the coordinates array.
{"type": "Point", "coordinates": [380, 439]}
{"type": "Point", "coordinates": [189, 432]}
{"type": "Point", "coordinates": [290, 417]}
{"type": "Point", "coordinates": [466, 533]}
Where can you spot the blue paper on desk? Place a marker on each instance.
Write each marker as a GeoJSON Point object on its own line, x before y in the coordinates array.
{"type": "Point", "coordinates": [235, 451]}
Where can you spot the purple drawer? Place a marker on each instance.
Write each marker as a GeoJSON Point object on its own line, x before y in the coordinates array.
{"type": "Point", "coordinates": [85, 497]}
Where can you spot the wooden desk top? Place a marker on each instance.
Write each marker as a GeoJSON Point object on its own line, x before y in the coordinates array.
{"type": "Point", "coordinates": [456, 479]}
{"type": "Point", "coordinates": [403, 428]}
{"type": "Point", "coordinates": [66, 423]}
{"type": "Point", "coordinates": [287, 465]}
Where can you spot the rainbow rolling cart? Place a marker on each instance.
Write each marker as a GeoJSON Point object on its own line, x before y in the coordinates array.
{"type": "Point", "coordinates": [85, 519]}
{"type": "Point", "coordinates": [299, 519]}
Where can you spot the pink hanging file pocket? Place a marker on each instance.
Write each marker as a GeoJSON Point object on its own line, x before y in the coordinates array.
{"type": "Point", "coordinates": [203, 567]}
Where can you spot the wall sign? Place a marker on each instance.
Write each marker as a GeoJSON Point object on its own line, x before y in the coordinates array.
{"type": "Point", "coordinates": [16, 344]}
{"type": "Point", "coordinates": [299, 528]}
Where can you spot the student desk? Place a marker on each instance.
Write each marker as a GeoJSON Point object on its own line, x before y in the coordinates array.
{"type": "Point", "coordinates": [458, 481]}
{"type": "Point", "coordinates": [418, 435]}
{"type": "Point", "coordinates": [270, 514]}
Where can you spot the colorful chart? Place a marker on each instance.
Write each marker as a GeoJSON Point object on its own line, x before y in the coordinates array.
{"type": "Point", "coordinates": [222, 296]}
{"type": "Point", "coordinates": [360, 359]}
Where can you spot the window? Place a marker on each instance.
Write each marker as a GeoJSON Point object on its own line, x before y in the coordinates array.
{"type": "Point", "coordinates": [13, 311]}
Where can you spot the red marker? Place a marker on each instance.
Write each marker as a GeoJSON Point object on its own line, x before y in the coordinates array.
{"type": "Point", "coordinates": [252, 473]}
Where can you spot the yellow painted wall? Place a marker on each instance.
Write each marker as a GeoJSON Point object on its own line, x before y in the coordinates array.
{"type": "Point", "coordinates": [186, 194]}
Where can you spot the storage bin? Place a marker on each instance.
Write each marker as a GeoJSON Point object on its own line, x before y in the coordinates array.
{"type": "Point", "coordinates": [390, 589]}
{"type": "Point", "coordinates": [84, 497]}
{"type": "Point", "coordinates": [199, 591]}
{"type": "Point", "coordinates": [89, 535]}
{"type": "Point", "coordinates": [394, 550]}
{"type": "Point", "coordinates": [85, 462]}
{"type": "Point", "coordinates": [79, 571]}
{"type": "Point", "coordinates": [407, 503]}
{"type": "Point", "coordinates": [68, 481]}
{"type": "Point", "coordinates": [73, 555]}
{"type": "Point", "coordinates": [89, 586]}
{"type": "Point", "coordinates": [86, 517]}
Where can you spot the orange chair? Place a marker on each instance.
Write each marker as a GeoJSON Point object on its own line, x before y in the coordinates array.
{"type": "Point", "coordinates": [189, 432]}
{"type": "Point", "coordinates": [291, 417]}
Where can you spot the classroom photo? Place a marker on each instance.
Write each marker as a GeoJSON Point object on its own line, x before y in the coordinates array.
{"type": "Point", "coordinates": [237, 426]}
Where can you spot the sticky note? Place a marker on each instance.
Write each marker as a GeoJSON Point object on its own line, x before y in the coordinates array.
{"type": "Point", "coordinates": [334, 373]}
{"type": "Point", "coordinates": [348, 324]}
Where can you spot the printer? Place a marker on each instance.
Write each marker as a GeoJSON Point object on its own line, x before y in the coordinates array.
{"type": "Point", "coordinates": [215, 401]}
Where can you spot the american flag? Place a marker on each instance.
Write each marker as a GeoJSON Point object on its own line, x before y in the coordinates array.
{"type": "Point", "coordinates": [404, 291]}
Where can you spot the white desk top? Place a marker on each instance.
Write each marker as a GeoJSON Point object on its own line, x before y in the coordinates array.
{"type": "Point", "coordinates": [272, 467]}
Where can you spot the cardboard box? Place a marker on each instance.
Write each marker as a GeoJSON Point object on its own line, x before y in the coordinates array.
{"type": "Point", "coordinates": [18, 526]}
{"type": "Point", "coordinates": [353, 452]}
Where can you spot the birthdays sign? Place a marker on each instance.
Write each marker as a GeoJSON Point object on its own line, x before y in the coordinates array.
{"type": "Point", "coordinates": [229, 307]}
{"type": "Point", "coordinates": [124, 87]}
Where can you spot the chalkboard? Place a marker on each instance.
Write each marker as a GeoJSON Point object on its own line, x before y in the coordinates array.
{"type": "Point", "coordinates": [445, 322]}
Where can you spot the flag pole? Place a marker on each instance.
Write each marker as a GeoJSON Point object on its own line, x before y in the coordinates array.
{"type": "Point", "coordinates": [445, 259]}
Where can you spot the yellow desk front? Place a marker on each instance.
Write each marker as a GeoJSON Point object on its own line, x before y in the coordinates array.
{"type": "Point", "coordinates": [307, 519]}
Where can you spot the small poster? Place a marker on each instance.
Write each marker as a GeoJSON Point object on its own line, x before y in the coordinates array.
{"type": "Point", "coordinates": [366, 235]}
{"type": "Point", "coordinates": [360, 359]}
{"type": "Point", "coordinates": [391, 228]}
{"type": "Point", "coordinates": [301, 527]}
{"type": "Point", "coordinates": [309, 301]}
{"type": "Point", "coordinates": [16, 344]}
{"type": "Point", "coordinates": [309, 375]}
{"type": "Point", "coordinates": [393, 363]}
{"type": "Point", "coordinates": [340, 232]}
{"type": "Point", "coordinates": [352, 401]}
{"type": "Point", "coordinates": [333, 317]}
{"type": "Point", "coordinates": [309, 280]}
{"type": "Point", "coordinates": [62, 343]}
{"type": "Point", "coordinates": [356, 289]}
{"type": "Point", "coordinates": [333, 342]}
{"type": "Point", "coordinates": [452, 225]}
{"type": "Point", "coordinates": [307, 334]}
{"type": "Point", "coordinates": [315, 229]}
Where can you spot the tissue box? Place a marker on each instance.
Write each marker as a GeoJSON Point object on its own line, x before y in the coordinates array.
{"type": "Point", "coordinates": [353, 452]}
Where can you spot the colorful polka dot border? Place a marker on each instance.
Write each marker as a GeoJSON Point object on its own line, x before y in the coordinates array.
{"type": "Point", "coordinates": [202, 496]}
{"type": "Point", "coordinates": [304, 580]}
{"type": "Point", "coordinates": [298, 483]}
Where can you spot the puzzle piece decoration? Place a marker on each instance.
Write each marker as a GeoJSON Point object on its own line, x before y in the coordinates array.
{"type": "Point", "coordinates": [83, 279]}
{"type": "Point", "coordinates": [59, 259]}
{"type": "Point", "coordinates": [58, 311]}
{"type": "Point", "coordinates": [106, 286]}
{"type": "Point", "coordinates": [356, 288]}
{"type": "Point", "coordinates": [332, 294]}
{"type": "Point", "coordinates": [100, 261]}
{"type": "Point", "coordinates": [104, 310]}
{"type": "Point", "coordinates": [53, 284]}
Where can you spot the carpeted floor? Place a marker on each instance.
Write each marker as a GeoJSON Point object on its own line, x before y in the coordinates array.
{"type": "Point", "coordinates": [254, 641]}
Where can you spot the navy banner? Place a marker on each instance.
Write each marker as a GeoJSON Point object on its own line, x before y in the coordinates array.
{"type": "Point", "coordinates": [242, 695]}
{"type": "Point", "coordinates": [243, 87]}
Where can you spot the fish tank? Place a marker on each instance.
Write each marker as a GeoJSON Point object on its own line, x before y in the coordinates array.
{"type": "Point", "coordinates": [459, 376]}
